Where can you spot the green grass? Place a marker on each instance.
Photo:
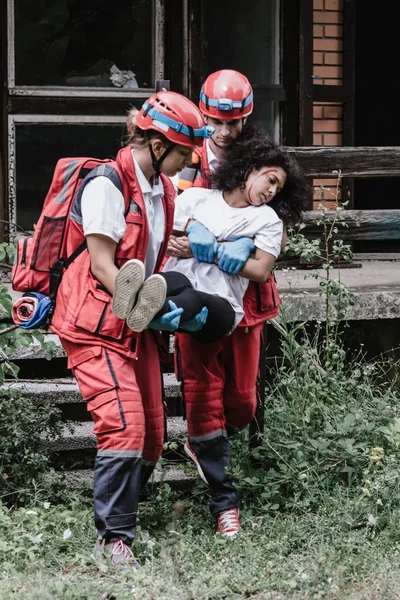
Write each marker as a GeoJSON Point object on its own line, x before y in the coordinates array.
{"type": "Point", "coordinates": [326, 554]}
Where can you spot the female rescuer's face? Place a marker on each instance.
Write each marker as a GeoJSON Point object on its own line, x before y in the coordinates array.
{"type": "Point", "coordinates": [176, 160]}
{"type": "Point", "coordinates": [263, 185]}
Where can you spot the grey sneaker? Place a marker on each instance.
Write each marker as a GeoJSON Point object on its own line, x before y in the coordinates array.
{"type": "Point", "coordinates": [116, 553]}
{"type": "Point", "coordinates": [150, 300]}
{"type": "Point", "coordinates": [127, 284]}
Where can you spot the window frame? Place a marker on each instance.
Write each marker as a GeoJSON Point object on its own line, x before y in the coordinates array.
{"type": "Point", "coordinates": [158, 58]}
{"type": "Point", "coordinates": [39, 119]}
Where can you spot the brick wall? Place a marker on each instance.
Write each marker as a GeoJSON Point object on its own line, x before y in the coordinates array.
{"type": "Point", "coordinates": [327, 70]}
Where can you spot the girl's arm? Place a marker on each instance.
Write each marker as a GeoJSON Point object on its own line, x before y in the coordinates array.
{"type": "Point", "coordinates": [102, 255]}
{"type": "Point", "coordinates": [179, 247]}
{"type": "Point", "coordinates": [258, 268]}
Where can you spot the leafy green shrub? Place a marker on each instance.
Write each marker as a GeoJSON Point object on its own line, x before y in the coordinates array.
{"type": "Point", "coordinates": [331, 418]}
{"type": "Point", "coordinates": [25, 424]}
{"type": "Point", "coordinates": [25, 427]}
{"type": "Point", "coordinates": [324, 425]}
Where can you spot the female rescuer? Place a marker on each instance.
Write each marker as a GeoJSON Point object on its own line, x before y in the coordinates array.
{"type": "Point", "coordinates": [125, 210]}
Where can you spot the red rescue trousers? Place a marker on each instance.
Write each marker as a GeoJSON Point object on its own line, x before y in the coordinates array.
{"type": "Point", "coordinates": [219, 385]}
{"type": "Point", "coordinates": [124, 398]}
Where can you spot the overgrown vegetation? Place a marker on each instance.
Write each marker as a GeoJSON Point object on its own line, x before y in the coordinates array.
{"type": "Point", "coordinates": [320, 494]}
{"type": "Point", "coordinates": [25, 424]}
{"type": "Point", "coordinates": [332, 418]}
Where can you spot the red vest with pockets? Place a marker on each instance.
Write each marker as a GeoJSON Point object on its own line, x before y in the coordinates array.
{"type": "Point", "coordinates": [83, 307]}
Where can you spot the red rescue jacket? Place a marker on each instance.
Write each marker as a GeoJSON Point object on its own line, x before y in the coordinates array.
{"type": "Point", "coordinates": [83, 306]}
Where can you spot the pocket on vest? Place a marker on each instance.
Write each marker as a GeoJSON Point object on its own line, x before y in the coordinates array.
{"type": "Point", "coordinates": [265, 296]}
{"type": "Point", "coordinates": [107, 413]}
{"type": "Point", "coordinates": [130, 245]}
{"type": "Point", "coordinates": [95, 316]}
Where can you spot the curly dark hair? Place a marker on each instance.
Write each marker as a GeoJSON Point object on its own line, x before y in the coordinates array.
{"type": "Point", "coordinates": [252, 150]}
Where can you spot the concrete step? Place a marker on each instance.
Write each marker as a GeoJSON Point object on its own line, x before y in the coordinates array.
{"type": "Point", "coordinates": [34, 351]}
{"type": "Point", "coordinates": [172, 474]}
{"type": "Point", "coordinates": [64, 390]}
{"type": "Point", "coordinates": [80, 436]}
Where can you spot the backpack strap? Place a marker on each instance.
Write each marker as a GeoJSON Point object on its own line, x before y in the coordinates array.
{"type": "Point", "coordinates": [113, 173]}
{"type": "Point", "coordinates": [105, 169]}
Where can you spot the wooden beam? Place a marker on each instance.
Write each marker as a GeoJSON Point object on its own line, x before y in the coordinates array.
{"type": "Point", "coordinates": [363, 161]}
{"type": "Point", "coordinates": [365, 225]}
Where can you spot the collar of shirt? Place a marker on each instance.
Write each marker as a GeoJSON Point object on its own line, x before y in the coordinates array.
{"type": "Point", "coordinates": [211, 158]}
{"type": "Point", "coordinates": [155, 190]}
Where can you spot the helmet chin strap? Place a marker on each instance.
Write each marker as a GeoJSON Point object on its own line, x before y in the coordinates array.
{"type": "Point", "coordinates": [156, 163]}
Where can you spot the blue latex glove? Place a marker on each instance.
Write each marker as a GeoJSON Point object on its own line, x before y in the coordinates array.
{"type": "Point", "coordinates": [202, 242]}
{"type": "Point", "coordinates": [169, 321]}
{"type": "Point", "coordinates": [232, 256]}
{"type": "Point", "coordinates": [197, 322]}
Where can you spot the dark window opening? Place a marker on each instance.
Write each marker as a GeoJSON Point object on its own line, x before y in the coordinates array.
{"type": "Point", "coordinates": [84, 43]}
{"type": "Point", "coordinates": [39, 146]}
{"type": "Point", "coordinates": [377, 95]}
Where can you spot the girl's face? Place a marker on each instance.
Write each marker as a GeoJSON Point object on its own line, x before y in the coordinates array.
{"type": "Point", "coordinates": [176, 160]}
{"type": "Point", "coordinates": [263, 185]}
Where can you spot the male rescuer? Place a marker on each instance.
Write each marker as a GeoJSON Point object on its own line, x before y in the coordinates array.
{"type": "Point", "coordinates": [226, 100]}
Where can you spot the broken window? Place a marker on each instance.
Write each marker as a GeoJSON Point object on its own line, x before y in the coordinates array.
{"type": "Point", "coordinates": [83, 43]}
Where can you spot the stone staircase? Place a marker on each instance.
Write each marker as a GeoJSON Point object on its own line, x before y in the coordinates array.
{"type": "Point", "coordinates": [374, 319]}
{"type": "Point", "coordinates": [75, 449]}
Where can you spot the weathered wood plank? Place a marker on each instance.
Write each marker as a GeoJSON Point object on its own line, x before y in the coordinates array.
{"type": "Point", "coordinates": [362, 224]}
{"type": "Point", "coordinates": [362, 161]}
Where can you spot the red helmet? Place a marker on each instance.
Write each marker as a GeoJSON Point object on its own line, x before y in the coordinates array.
{"type": "Point", "coordinates": [176, 117]}
{"type": "Point", "coordinates": [225, 95]}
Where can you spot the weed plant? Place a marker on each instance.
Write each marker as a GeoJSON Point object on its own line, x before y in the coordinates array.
{"type": "Point", "coordinates": [331, 417]}
{"type": "Point", "coordinates": [25, 424]}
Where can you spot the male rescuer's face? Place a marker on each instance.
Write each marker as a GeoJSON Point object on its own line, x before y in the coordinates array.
{"type": "Point", "coordinates": [225, 131]}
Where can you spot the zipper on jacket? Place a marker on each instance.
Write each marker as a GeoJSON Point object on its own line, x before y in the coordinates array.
{"type": "Point", "coordinates": [23, 258]}
{"type": "Point", "coordinates": [258, 294]}
{"type": "Point", "coordinates": [103, 316]}
{"type": "Point", "coordinates": [273, 288]}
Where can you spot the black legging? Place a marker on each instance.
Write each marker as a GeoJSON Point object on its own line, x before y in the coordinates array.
{"type": "Point", "coordinates": [221, 315]}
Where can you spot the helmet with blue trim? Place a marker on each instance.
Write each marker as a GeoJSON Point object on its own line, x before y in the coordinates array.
{"type": "Point", "coordinates": [176, 117]}
{"type": "Point", "coordinates": [226, 95]}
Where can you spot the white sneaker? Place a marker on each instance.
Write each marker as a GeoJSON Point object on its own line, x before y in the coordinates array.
{"type": "Point", "coordinates": [129, 280]}
{"type": "Point", "coordinates": [150, 300]}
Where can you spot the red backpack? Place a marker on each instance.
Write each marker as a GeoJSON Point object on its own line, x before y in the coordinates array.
{"type": "Point", "coordinates": [41, 258]}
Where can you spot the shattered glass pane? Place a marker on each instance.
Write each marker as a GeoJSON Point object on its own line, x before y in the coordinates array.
{"type": "Point", "coordinates": [39, 146]}
{"type": "Point", "coordinates": [84, 43]}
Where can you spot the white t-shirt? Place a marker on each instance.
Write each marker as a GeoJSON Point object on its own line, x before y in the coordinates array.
{"type": "Point", "coordinates": [103, 211]}
{"type": "Point", "coordinates": [211, 158]}
{"type": "Point", "coordinates": [260, 223]}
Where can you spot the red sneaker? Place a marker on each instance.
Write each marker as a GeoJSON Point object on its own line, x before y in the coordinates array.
{"type": "Point", "coordinates": [189, 452]}
{"type": "Point", "coordinates": [228, 522]}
